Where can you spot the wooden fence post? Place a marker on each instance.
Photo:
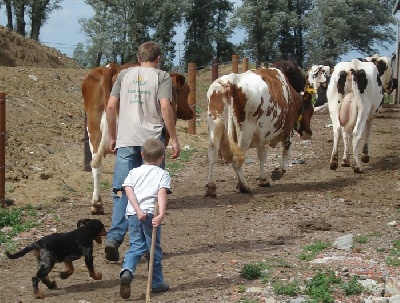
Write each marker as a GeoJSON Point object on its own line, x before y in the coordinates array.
{"type": "Point", "coordinates": [192, 97]}
{"type": "Point", "coordinates": [3, 149]}
{"type": "Point", "coordinates": [245, 65]}
{"type": "Point", "coordinates": [235, 63]}
{"type": "Point", "coordinates": [214, 69]}
{"type": "Point", "coordinates": [87, 157]}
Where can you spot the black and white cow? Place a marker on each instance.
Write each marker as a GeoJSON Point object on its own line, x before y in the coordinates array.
{"type": "Point", "coordinates": [355, 94]}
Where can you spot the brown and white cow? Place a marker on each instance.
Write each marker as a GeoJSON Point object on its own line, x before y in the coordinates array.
{"type": "Point", "coordinates": [96, 88]}
{"type": "Point", "coordinates": [251, 110]}
{"type": "Point", "coordinates": [355, 94]}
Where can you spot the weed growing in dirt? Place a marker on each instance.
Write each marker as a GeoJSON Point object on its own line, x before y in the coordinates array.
{"type": "Point", "coordinates": [13, 221]}
{"type": "Point", "coordinates": [309, 252]}
{"type": "Point", "coordinates": [353, 287]}
{"type": "Point", "coordinates": [173, 166]}
{"type": "Point", "coordinates": [361, 239]}
{"type": "Point", "coordinates": [291, 288]}
{"type": "Point", "coordinates": [253, 271]}
{"type": "Point", "coordinates": [393, 259]}
{"type": "Point", "coordinates": [319, 289]}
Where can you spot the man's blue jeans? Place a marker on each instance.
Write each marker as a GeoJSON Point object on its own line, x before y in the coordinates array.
{"type": "Point", "coordinates": [127, 158]}
{"type": "Point", "coordinates": [140, 233]}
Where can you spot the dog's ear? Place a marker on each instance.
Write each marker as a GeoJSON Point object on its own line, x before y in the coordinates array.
{"type": "Point", "coordinates": [82, 222]}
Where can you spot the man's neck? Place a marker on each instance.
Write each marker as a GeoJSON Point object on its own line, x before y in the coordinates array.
{"type": "Point", "coordinates": [149, 64]}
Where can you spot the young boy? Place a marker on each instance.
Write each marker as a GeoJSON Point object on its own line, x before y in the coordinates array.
{"type": "Point", "coordinates": [144, 186]}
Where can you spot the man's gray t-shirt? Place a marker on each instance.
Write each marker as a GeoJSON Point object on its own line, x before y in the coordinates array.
{"type": "Point", "coordinates": [139, 90]}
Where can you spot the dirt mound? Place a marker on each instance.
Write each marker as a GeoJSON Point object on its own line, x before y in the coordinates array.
{"type": "Point", "coordinates": [16, 50]}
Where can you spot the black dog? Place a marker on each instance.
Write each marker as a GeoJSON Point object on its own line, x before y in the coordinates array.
{"type": "Point", "coordinates": [64, 247]}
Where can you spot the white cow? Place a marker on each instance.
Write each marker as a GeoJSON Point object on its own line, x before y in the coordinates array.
{"type": "Point", "coordinates": [355, 94]}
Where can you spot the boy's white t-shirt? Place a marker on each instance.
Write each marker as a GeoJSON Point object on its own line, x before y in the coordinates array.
{"type": "Point", "coordinates": [146, 180]}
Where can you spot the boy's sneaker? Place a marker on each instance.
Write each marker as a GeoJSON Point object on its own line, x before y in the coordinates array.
{"type": "Point", "coordinates": [161, 288]}
{"type": "Point", "coordinates": [125, 284]}
{"type": "Point", "coordinates": [111, 250]}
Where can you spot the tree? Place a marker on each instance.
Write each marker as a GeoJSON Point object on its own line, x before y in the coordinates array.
{"type": "Point", "coordinates": [264, 22]}
{"type": "Point", "coordinates": [79, 55]}
{"type": "Point", "coordinates": [119, 27]}
{"type": "Point", "coordinates": [207, 31]}
{"type": "Point", "coordinates": [337, 27]}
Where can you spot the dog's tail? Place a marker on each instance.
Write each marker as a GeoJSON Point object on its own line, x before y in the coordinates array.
{"type": "Point", "coordinates": [22, 252]}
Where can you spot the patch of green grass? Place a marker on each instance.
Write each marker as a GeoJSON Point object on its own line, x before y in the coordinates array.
{"type": "Point", "coordinates": [291, 288]}
{"type": "Point", "coordinates": [105, 185]}
{"type": "Point", "coordinates": [253, 271]}
{"type": "Point", "coordinates": [394, 252]}
{"type": "Point", "coordinates": [10, 188]}
{"type": "Point", "coordinates": [174, 165]}
{"type": "Point", "coordinates": [310, 251]}
{"type": "Point", "coordinates": [245, 300]}
{"type": "Point", "coordinates": [353, 287]}
{"type": "Point", "coordinates": [361, 239]}
{"type": "Point", "coordinates": [241, 288]}
{"type": "Point", "coordinates": [17, 220]}
{"type": "Point", "coordinates": [319, 289]}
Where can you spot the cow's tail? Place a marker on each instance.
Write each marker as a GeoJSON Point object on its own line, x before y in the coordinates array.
{"type": "Point", "coordinates": [98, 157]}
{"type": "Point", "coordinates": [22, 252]}
{"type": "Point", "coordinates": [234, 147]}
{"type": "Point", "coordinates": [348, 107]}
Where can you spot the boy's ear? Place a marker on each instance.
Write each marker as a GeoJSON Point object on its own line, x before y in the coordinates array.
{"type": "Point", "coordinates": [141, 154]}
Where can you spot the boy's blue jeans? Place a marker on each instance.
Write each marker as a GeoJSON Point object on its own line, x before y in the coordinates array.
{"type": "Point", "coordinates": [140, 233]}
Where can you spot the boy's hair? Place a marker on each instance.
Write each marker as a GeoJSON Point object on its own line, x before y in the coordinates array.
{"type": "Point", "coordinates": [148, 51]}
{"type": "Point", "coordinates": [153, 150]}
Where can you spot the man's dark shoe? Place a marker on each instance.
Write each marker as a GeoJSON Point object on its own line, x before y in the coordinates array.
{"type": "Point", "coordinates": [125, 284]}
{"type": "Point", "coordinates": [111, 250]}
{"type": "Point", "coordinates": [161, 288]}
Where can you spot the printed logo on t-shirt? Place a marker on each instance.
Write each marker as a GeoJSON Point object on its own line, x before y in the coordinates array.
{"type": "Point", "coordinates": [136, 94]}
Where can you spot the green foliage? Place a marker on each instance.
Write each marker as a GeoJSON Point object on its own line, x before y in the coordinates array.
{"type": "Point", "coordinates": [361, 239]}
{"type": "Point", "coordinates": [394, 258]}
{"type": "Point", "coordinates": [310, 251]}
{"type": "Point", "coordinates": [174, 165]}
{"type": "Point", "coordinates": [241, 288]}
{"type": "Point", "coordinates": [291, 288]}
{"type": "Point", "coordinates": [319, 288]}
{"type": "Point", "coordinates": [353, 287]}
{"type": "Point", "coordinates": [253, 271]}
{"type": "Point", "coordinates": [18, 220]}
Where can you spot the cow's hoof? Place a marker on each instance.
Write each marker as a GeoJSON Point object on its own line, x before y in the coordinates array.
{"type": "Point", "coordinates": [244, 190]}
{"type": "Point", "coordinates": [277, 174]}
{"type": "Point", "coordinates": [364, 158]}
{"type": "Point", "coordinates": [357, 170]}
{"type": "Point", "coordinates": [333, 166]}
{"type": "Point", "coordinates": [346, 163]}
{"type": "Point", "coordinates": [263, 183]}
{"type": "Point", "coordinates": [211, 190]}
{"type": "Point", "coordinates": [97, 209]}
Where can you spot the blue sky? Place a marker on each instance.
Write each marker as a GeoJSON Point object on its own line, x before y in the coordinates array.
{"type": "Point", "coordinates": [63, 32]}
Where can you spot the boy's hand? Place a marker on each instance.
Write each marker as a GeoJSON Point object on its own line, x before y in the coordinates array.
{"type": "Point", "coordinates": [157, 221]}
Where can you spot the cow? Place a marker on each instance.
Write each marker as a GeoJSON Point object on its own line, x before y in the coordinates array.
{"type": "Point", "coordinates": [385, 71]}
{"type": "Point", "coordinates": [96, 88]}
{"type": "Point", "coordinates": [355, 94]}
{"type": "Point", "coordinates": [293, 73]}
{"type": "Point", "coordinates": [251, 110]}
{"type": "Point", "coordinates": [319, 75]}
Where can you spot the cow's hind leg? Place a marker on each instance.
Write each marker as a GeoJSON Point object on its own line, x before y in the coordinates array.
{"type": "Point", "coordinates": [334, 155]}
{"type": "Point", "coordinates": [97, 204]}
{"type": "Point", "coordinates": [367, 132]}
{"type": "Point", "coordinates": [346, 153]}
{"type": "Point", "coordinates": [262, 176]}
{"type": "Point", "coordinates": [278, 173]}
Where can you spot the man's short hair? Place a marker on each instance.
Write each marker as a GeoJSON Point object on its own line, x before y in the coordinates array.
{"type": "Point", "coordinates": [148, 51]}
{"type": "Point", "coordinates": [153, 150]}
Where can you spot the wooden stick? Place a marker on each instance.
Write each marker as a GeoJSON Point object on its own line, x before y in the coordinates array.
{"type": "Point", "coordinates": [152, 248]}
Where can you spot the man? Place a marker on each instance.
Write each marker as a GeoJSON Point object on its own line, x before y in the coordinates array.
{"type": "Point", "coordinates": [142, 97]}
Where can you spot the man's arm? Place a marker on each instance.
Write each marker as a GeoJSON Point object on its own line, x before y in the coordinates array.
{"type": "Point", "coordinates": [169, 121]}
{"type": "Point", "coordinates": [111, 115]}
